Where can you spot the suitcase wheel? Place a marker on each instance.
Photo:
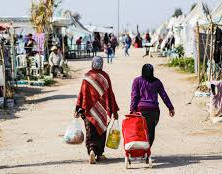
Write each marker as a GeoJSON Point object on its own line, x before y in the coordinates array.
{"type": "Point", "coordinates": [127, 162]}
{"type": "Point", "coordinates": [149, 162]}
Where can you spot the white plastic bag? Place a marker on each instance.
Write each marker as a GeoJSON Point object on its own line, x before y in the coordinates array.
{"type": "Point", "coordinates": [74, 134]}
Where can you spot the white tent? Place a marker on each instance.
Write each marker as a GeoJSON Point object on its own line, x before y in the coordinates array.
{"type": "Point", "coordinates": [174, 29]}
{"type": "Point", "coordinates": [99, 29]}
{"type": "Point", "coordinates": [217, 13]}
{"type": "Point", "coordinates": [161, 32]}
{"type": "Point", "coordinates": [188, 33]}
{"type": "Point", "coordinates": [177, 30]}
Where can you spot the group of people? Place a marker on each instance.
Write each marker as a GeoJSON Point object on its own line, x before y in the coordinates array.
{"type": "Point", "coordinates": [56, 58]}
{"type": "Point", "coordinates": [96, 104]}
{"type": "Point", "coordinates": [110, 43]}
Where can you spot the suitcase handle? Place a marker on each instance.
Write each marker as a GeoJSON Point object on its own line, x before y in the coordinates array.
{"type": "Point", "coordinates": [137, 114]}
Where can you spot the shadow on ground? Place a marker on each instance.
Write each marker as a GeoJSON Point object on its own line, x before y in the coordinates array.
{"type": "Point", "coordinates": [182, 160]}
{"type": "Point", "coordinates": [20, 100]}
{"type": "Point", "coordinates": [161, 162]}
{"type": "Point", "coordinates": [54, 97]}
{"type": "Point", "coordinates": [50, 163]}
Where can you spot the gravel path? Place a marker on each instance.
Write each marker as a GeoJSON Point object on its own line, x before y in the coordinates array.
{"type": "Point", "coordinates": [32, 142]}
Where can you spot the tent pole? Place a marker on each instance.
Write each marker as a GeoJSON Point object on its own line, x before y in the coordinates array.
{"type": "Point", "coordinates": [198, 50]}
{"type": "Point", "coordinates": [3, 70]}
{"type": "Point", "coordinates": [211, 52]}
{"type": "Point", "coordinates": [205, 53]}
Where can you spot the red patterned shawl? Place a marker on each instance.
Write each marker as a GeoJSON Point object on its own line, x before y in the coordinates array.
{"type": "Point", "coordinates": [97, 99]}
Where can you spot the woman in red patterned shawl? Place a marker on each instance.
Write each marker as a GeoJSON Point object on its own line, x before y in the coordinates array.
{"type": "Point", "coordinates": [96, 105]}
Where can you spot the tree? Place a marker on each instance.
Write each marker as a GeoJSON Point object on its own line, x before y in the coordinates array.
{"type": "Point", "coordinates": [76, 16]}
{"type": "Point", "coordinates": [178, 12]}
{"type": "Point", "coordinates": [42, 13]}
{"type": "Point", "coordinates": [193, 6]}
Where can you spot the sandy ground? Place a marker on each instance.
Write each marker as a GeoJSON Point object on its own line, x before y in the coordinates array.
{"type": "Point", "coordinates": [32, 143]}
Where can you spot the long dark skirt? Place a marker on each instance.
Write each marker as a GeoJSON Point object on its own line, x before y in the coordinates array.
{"type": "Point", "coordinates": [152, 119]}
{"type": "Point", "coordinates": [94, 141]}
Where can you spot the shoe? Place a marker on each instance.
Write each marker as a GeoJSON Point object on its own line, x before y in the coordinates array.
{"type": "Point", "coordinates": [92, 158]}
{"type": "Point", "coordinates": [101, 158]}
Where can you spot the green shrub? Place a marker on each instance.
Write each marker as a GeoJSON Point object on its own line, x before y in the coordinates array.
{"type": "Point", "coordinates": [49, 82]}
{"type": "Point", "coordinates": [180, 51]}
{"type": "Point", "coordinates": [185, 64]}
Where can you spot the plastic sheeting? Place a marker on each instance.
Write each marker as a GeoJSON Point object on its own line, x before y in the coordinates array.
{"type": "Point", "coordinates": [100, 29]}
{"type": "Point", "coordinates": [2, 83]}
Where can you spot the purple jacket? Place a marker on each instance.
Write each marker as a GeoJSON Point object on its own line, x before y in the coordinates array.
{"type": "Point", "coordinates": [144, 96]}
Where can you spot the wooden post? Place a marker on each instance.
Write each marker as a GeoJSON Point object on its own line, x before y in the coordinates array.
{"type": "Point", "coordinates": [12, 55]}
{"type": "Point", "coordinates": [3, 70]}
{"type": "Point", "coordinates": [211, 51]}
{"type": "Point", "coordinates": [205, 54]}
{"type": "Point", "coordinates": [198, 51]}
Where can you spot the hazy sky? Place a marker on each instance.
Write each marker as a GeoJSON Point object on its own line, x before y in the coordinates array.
{"type": "Point", "coordinates": [146, 13]}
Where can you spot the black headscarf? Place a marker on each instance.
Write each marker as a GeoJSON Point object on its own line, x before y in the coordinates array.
{"type": "Point", "coordinates": [147, 73]}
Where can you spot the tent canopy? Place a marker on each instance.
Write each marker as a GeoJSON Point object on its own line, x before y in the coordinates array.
{"type": "Point", "coordinates": [197, 14]}
{"type": "Point", "coordinates": [217, 14]}
{"type": "Point", "coordinates": [99, 29]}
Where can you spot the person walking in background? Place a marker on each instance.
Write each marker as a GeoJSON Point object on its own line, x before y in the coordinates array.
{"type": "Point", "coordinates": [106, 39]}
{"type": "Point", "coordinates": [96, 104]}
{"type": "Point", "coordinates": [147, 45]}
{"type": "Point", "coordinates": [144, 99]}
{"type": "Point", "coordinates": [147, 38]}
{"type": "Point", "coordinates": [88, 48]}
{"type": "Point", "coordinates": [127, 42]}
{"type": "Point", "coordinates": [95, 46]}
{"type": "Point", "coordinates": [79, 45]}
{"type": "Point", "coordinates": [109, 51]}
{"type": "Point", "coordinates": [114, 44]}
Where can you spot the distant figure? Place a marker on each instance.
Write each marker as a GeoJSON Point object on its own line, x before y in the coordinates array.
{"type": "Point", "coordinates": [95, 46]}
{"type": "Point", "coordinates": [88, 48]}
{"type": "Point", "coordinates": [106, 39]}
{"type": "Point", "coordinates": [127, 42]}
{"type": "Point", "coordinates": [114, 43]}
{"type": "Point", "coordinates": [146, 44]}
{"type": "Point", "coordinates": [147, 38]}
{"type": "Point", "coordinates": [29, 44]}
{"type": "Point", "coordinates": [79, 43]}
{"type": "Point", "coordinates": [137, 42]}
{"type": "Point", "coordinates": [55, 61]}
{"type": "Point", "coordinates": [109, 51]}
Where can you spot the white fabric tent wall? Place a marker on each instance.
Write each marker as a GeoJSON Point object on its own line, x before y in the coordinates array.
{"type": "Point", "coordinates": [177, 29]}
{"type": "Point", "coordinates": [174, 28]}
{"type": "Point", "coordinates": [188, 33]}
{"type": "Point", "coordinates": [217, 13]}
{"type": "Point", "coordinates": [2, 83]}
{"type": "Point", "coordinates": [160, 32]}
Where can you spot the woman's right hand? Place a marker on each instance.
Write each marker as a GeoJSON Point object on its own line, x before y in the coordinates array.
{"type": "Point", "coordinates": [76, 115]}
{"type": "Point", "coordinates": [172, 113]}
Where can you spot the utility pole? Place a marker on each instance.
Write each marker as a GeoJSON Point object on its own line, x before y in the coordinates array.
{"type": "Point", "coordinates": [118, 23]}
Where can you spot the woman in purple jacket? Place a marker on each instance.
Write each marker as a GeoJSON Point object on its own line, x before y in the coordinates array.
{"type": "Point", "coordinates": [144, 98]}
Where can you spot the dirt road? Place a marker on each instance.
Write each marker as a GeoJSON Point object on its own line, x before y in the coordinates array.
{"type": "Point", "coordinates": [32, 143]}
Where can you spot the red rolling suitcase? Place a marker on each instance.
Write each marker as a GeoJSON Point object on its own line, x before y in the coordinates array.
{"type": "Point", "coordinates": [136, 140]}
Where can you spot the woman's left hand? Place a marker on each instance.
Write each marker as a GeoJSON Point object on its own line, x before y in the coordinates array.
{"type": "Point", "coordinates": [116, 116]}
